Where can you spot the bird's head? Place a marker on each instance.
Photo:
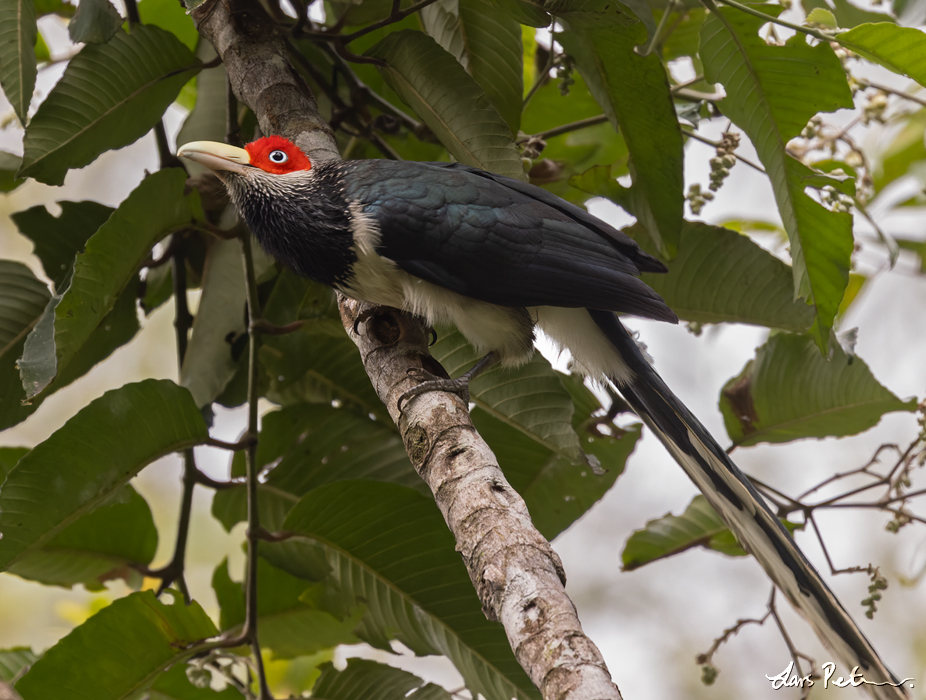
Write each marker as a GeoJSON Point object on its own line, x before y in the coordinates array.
{"type": "Point", "coordinates": [272, 154]}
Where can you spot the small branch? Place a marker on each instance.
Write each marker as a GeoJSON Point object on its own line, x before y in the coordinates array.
{"type": "Point", "coordinates": [566, 128]}
{"type": "Point", "coordinates": [396, 15]}
{"type": "Point", "coordinates": [264, 326]}
{"type": "Point", "coordinates": [815, 33]}
{"type": "Point", "coordinates": [892, 91]}
{"type": "Point", "coordinates": [543, 75]}
{"type": "Point", "coordinates": [709, 142]}
{"type": "Point", "coordinates": [246, 441]}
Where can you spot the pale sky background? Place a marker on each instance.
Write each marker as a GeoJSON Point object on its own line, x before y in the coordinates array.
{"type": "Point", "coordinates": [649, 624]}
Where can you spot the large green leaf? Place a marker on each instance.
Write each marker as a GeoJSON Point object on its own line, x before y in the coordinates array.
{"type": "Point", "coordinates": [487, 44]}
{"type": "Point", "coordinates": [721, 276]}
{"type": "Point", "coordinates": [530, 398]}
{"type": "Point", "coordinates": [118, 652]}
{"type": "Point", "coordinates": [389, 547]}
{"type": "Point", "coordinates": [58, 239]}
{"type": "Point", "coordinates": [288, 626]}
{"type": "Point", "coordinates": [698, 526]}
{"type": "Point", "coordinates": [100, 546]}
{"type": "Point", "coordinates": [847, 15]}
{"type": "Point", "coordinates": [9, 166]}
{"type": "Point", "coordinates": [449, 101]}
{"type": "Point", "coordinates": [772, 92]}
{"type": "Point", "coordinates": [111, 258]}
{"type": "Point", "coordinates": [109, 96]}
{"type": "Point", "coordinates": [370, 680]}
{"type": "Point", "coordinates": [900, 49]}
{"type": "Point", "coordinates": [18, 69]}
{"type": "Point", "coordinates": [89, 459]}
{"type": "Point", "coordinates": [790, 392]}
{"type": "Point", "coordinates": [210, 361]}
{"type": "Point", "coordinates": [22, 302]}
{"type": "Point", "coordinates": [633, 90]}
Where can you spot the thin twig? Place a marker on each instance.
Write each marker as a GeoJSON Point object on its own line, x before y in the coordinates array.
{"type": "Point", "coordinates": [703, 139]}
{"type": "Point", "coordinates": [566, 128]}
{"type": "Point", "coordinates": [892, 91]}
{"type": "Point", "coordinates": [396, 15]}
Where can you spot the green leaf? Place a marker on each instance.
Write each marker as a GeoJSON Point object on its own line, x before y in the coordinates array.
{"type": "Point", "coordinates": [370, 680]}
{"type": "Point", "coordinates": [95, 22]}
{"type": "Point", "coordinates": [487, 44]}
{"type": "Point", "coordinates": [57, 240]}
{"type": "Point", "coordinates": [722, 276]}
{"type": "Point", "coordinates": [209, 362]}
{"type": "Point", "coordinates": [109, 96]}
{"type": "Point", "coordinates": [684, 39]}
{"type": "Point", "coordinates": [389, 546]}
{"type": "Point", "coordinates": [790, 392]}
{"type": "Point", "coordinates": [530, 398]}
{"type": "Point", "coordinates": [698, 526]}
{"type": "Point", "coordinates": [902, 156]}
{"type": "Point", "coordinates": [12, 661]}
{"type": "Point", "coordinates": [288, 626]}
{"type": "Point", "coordinates": [772, 92]}
{"type": "Point", "coordinates": [18, 69]}
{"type": "Point", "coordinates": [529, 12]}
{"type": "Point", "coordinates": [22, 302]}
{"type": "Point", "coordinates": [634, 92]}
{"type": "Point", "coordinates": [9, 165]}
{"type": "Point", "coordinates": [119, 651]}
{"type": "Point", "coordinates": [449, 101]}
{"type": "Point", "coordinates": [899, 49]}
{"type": "Point", "coordinates": [847, 14]}
{"type": "Point", "coordinates": [556, 491]}
{"type": "Point", "coordinates": [98, 547]}
{"type": "Point", "coordinates": [118, 434]}
{"type": "Point", "coordinates": [111, 259]}
{"type": "Point", "coordinates": [170, 16]}
{"type": "Point", "coordinates": [173, 684]}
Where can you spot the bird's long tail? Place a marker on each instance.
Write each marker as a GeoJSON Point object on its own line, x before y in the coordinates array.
{"type": "Point", "coordinates": [744, 511]}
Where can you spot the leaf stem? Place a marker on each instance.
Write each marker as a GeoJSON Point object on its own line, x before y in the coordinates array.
{"type": "Point", "coordinates": [574, 126]}
{"type": "Point", "coordinates": [815, 33]}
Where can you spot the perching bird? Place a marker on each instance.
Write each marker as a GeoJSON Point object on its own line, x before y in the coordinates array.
{"type": "Point", "coordinates": [498, 258]}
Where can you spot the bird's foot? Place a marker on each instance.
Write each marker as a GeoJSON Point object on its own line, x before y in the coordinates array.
{"type": "Point", "coordinates": [459, 386]}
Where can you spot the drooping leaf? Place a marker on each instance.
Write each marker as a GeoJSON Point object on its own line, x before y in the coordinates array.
{"type": "Point", "coordinates": [57, 240]}
{"type": "Point", "coordinates": [531, 398]}
{"type": "Point", "coordinates": [790, 392]}
{"type": "Point", "coordinates": [22, 302]}
{"type": "Point", "coordinates": [18, 68]}
{"type": "Point", "coordinates": [95, 22]}
{"type": "Point", "coordinates": [487, 44]}
{"type": "Point", "coordinates": [633, 91]}
{"type": "Point", "coordinates": [109, 96]}
{"type": "Point", "coordinates": [99, 546]}
{"type": "Point", "coordinates": [721, 276]}
{"type": "Point", "coordinates": [373, 681]}
{"type": "Point", "coordinates": [13, 661]}
{"type": "Point", "coordinates": [288, 626]}
{"type": "Point", "coordinates": [118, 652]}
{"type": "Point", "coordinates": [389, 547]}
{"type": "Point", "coordinates": [698, 526]}
{"type": "Point", "coordinates": [899, 49]}
{"type": "Point", "coordinates": [449, 101]}
{"type": "Point", "coordinates": [118, 434]}
{"type": "Point", "coordinates": [772, 92]}
{"type": "Point", "coordinates": [111, 258]}
{"type": "Point", "coordinates": [210, 362]}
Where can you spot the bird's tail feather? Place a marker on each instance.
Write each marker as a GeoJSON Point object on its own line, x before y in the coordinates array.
{"type": "Point", "coordinates": [744, 510]}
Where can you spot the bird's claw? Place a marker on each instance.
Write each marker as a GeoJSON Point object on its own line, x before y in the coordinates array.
{"type": "Point", "coordinates": [459, 386]}
{"type": "Point", "coordinates": [363, 317]}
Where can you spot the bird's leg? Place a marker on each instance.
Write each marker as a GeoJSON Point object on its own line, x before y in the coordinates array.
{"type": "Point", "coordinates": [459, 386]}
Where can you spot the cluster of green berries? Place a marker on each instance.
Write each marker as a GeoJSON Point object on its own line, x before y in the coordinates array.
{"type": "Point", "coordinates": [697, 199]}
{"type": "Point", "coordinates": [878, 584]}
{"type": "Point", "coordinates": [724, 160]}
{"type": "Point", "coordinates": [564, 74]}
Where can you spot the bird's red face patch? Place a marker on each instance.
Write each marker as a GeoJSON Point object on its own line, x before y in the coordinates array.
{"type": "Point", "coordinates": [277, 155]}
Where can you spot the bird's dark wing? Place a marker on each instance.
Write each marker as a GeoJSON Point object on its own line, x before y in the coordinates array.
{"type": "Point", "coordinates": [500, 240]}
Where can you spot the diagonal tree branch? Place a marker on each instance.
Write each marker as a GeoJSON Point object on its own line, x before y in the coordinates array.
{"type": "Point", "coordinates": [518, 576]}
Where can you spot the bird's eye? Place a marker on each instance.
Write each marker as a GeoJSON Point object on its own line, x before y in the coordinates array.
{"type": "Point", "coordinates": [278, 157]}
